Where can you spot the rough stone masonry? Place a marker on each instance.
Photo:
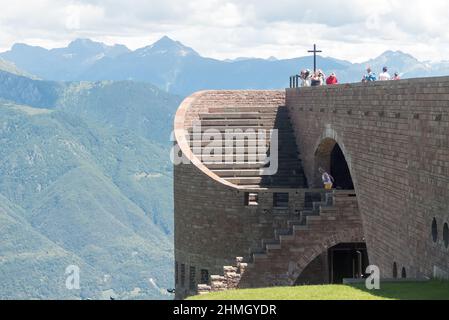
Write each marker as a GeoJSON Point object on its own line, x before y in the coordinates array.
{"type": "Point", "coordinates": [395, 140]}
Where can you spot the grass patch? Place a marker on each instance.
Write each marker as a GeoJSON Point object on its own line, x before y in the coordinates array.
{"type": "Point", "coordinates": [431, 290]}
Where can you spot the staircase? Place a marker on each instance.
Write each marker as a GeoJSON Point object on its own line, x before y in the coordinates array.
{"type": "Point", "coordinates": [328, 222]}
{"type": "Point", "coordinates": [291, 224]}
{"type": "Point", "coordinates": [250, 127]}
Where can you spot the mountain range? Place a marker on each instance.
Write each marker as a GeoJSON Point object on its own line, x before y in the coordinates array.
{"type": "Point", "coordinates": [86, 180]}
{"type": "Point", "coordinates": [179, 69]}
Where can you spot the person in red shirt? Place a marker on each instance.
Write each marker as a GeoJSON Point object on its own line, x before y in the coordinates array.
{"type": "Point", "coordinates": [332, 79]}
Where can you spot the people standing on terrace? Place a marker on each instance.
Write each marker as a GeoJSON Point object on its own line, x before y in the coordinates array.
{"type": "Point", "coordinates": [305, 77]}
{"type": "Point", "coordinates": [332, 79]}
{"type": "Point", "coordinates": [369, 76]}
{"type": "Point", "coordinates": [318, 78]}
{"type": "Point", "coordinates": [384, 76]}
{"type": "Point", "coordinates": [396, 76]}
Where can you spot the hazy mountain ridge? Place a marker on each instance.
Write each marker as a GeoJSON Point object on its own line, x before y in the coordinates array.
{"type": "Point", "coordinates": [61, 63]}
{"type": "Point", "coordinates": [92, 191]}
{"type": "Point", "coordinates": [12, 68]}
{"type": "Point", "coordinates": [179, 69]}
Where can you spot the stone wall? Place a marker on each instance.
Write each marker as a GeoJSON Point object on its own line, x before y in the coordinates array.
{"type": "Point", "coordinates": [303, 250]}
{"type": "Point", "coordinates": [316, 273]}
{"type": "Point", "coordinates": [395, 138]}
{"type": "Point", "coordinates": [213, 225]}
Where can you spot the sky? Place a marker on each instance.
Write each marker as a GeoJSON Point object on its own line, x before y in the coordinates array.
{"type": "Point", "coordinates": [353, 30]}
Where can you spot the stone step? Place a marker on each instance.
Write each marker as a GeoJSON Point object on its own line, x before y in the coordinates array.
{"type": "Point", "coordinates": [284, 137]}
{"type": "Point", "coordinates": [246, 149]}
{"type": "Point", "coordinates": [256, 187]}
{"type": "Point", "coordinates": [238, 130]}
{"type": "Point", "coordinates": [252, 108]}
{"type": "Point", "coordinates": [259, 256]}
{"type": "Point", "coordinates": [328, 212]}
{"type": "Point", "coordinates": [300, 228]}
{"type": "Point", "coordinates": [315, 218]}
{"type": "Point", "coordinates": [287, 163]}
{"type": "Point", "coordinates": [282, 232]}
{"type": "Point", "coordinates": [266, 242]}
{"type": "Point", "coordinates": [292, 223]}
{"type": "Point", "coordinates": [251, 186]}
{"type": "Point", "coordinates": [216, 278]}
{"type": "Point", "coordinates": [239, 115]}
{"type": "Point", "coordinates": [280, 210]}
{"type": "Point", "coordinates": [307, 212]}
{"type": "Point", "coordinates": [243, 145]}
{"type": "Point", "coordinates": [203, 289]}
{"type": "Point", "coordinates": [245, 157]}
{"type": "Point", "coordinates": [235, 165]}
{"type": "Point", "coordinates": [285, 238]}
{"type": "Point", "coordinates": [282, 144]}
{"type": "Point", "coordinates": [265, 180]}
{"type": "Point", "coordinates": [245, 142]}
{"type": "Point", "coordinates": [256, 250]}
{"type": "Point", "coordinates": [281, 175]}
{"type": "Point", "coordinates": [269, 123]}
{"type": "Point", "coordinates": [237, 173]}
{"type": "Point", "coordinates": [245, 180]}
{"type": "Point", "coordinates": [273, 247]}
{"type": "Point", "coordinates": [248, 123]}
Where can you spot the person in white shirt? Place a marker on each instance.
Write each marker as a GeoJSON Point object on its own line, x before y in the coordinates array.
{"type": "Point", "coordinates": [328, 180]}
{"type": "Point", "coordinates": [384, 76]}
{"type": "Point", "coordinates": [305, 78]}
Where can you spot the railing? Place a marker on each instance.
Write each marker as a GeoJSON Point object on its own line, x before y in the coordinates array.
{"type": "Point", "coordinates": [295, 81]}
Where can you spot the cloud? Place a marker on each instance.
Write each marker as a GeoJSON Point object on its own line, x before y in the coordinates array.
{"type": "Point", "coordinates": [82, 15]}
{"type": "Point", "coordinates": [353, 29]}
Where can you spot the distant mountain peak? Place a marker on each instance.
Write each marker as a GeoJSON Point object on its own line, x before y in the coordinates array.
{"type": "Point", "coordinates": [23, 46]}
{"type": "Point", "coordinates": [85, 44]}
{"type": "Point", "coordinates": [396, 54]}
{"type": "Point", "coordinates": [82, 41]}
{"type": "Point", "coordinates": [99, 49]}
{"type": "Point", "coordinates": [166, 41]}
{"type": "Point", "coordinates": [167, 45]}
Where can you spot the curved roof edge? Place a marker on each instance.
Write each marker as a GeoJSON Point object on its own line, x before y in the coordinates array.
{"type": "Point", "coordinates": [180, 136]}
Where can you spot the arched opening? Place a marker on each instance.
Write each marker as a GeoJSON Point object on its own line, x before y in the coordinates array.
{"type": "Point", "coordinates": [434, 230]}
{"type": "Point", "coordinates": [395, 270]}
{"type": "Point", "coordinates": [446, 235]}
{"type": "Point", "coordinates": [330, 157]}
{"type": "Point", "coordinates": [347, 261]}
{"type": "Point", "coordinates": [403, 273]}
{"type": "Point", "coordinates": [340, 170]}
{"type": "Point", "coordinates": [342, 261]}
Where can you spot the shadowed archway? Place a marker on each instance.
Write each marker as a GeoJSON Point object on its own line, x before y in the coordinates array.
{"type": "Point", "coordinates": [340, 259]}
{"type": "Point", "coordinates": [330, 157]}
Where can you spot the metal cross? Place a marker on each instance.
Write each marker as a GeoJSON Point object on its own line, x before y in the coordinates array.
{"type": "Point", "coordinates": [314, 51]}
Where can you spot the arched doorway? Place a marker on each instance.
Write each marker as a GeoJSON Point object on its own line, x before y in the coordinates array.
{"type": "Point", "coordinates": [339, 169]}
{"type": "Point", "coordinates": [330, 157]}
{"type": "Point", "coordinates": [345, 259]}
